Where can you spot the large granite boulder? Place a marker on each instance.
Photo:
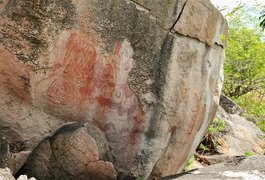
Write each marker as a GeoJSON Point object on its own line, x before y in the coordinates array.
{"type": "Point", "coordinates": [143, 78]}
{"type": "Point", "coordinates": [73, 152]}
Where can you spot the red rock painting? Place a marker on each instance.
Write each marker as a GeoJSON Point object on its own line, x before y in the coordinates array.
{"type": "Point", "coordinates": [83, 81]}
{"type": "Point", "coordinates": [195, 119]}
{"type": "Point", "coordinates": [74, 71]}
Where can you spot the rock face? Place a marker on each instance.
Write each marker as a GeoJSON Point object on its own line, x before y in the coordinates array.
{"type": "Point", "coordinates": [142, 80]}
{"type": "Point", "coordinates": [240, 168]}
{"type": "Point", "coordinates": [72, 154]}
{"type": "Point", "coordinates": [229, 106]}
{"type": "Point", "coordinates": [5, 174]}
{"type": "Point", "coordinates": [239, 136]}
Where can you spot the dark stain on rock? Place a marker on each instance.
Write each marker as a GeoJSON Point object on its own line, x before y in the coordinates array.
{"type": "Point", "coordinates": [26, 81]}
{"type": "Point", "coordinates": [160, 79]}
{"type": "Point", "coordinates": [28, 27]}
{"type": "Point", "coordinates": [4, 151]}
{"type": "Point", "coordinates": [17, 146]}
{"type": "Point", "coordinates": [68, 128]}
{"type": "Point", "coordinates": [155, 119]}
{"type": "Point", "coordinates": [142, 160]}
{"type": "Point", "coordinates": [145, 36]}
{"type": "Point", "coordinates": [164, 58]}
{"type": "Point", "coordinates": [126, 176]}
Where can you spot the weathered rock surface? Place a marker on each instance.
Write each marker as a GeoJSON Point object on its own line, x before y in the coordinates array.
{"type": "Point", "coordinates": [25, 177]}
{"type": "Point", "coordinates": [229, 106]}
{"type": "Point", "coordinates": [71, 153]}
{"type": "Point", "coordinates": [5, 174]}
{"type": "Point", "coordinates": [200, 20]}
{"type": "Point", "coordinates": [239, 136]}
{"type": "Point", "coordinates": [240, 169]}
{"type": "Point", "coordinates": [143, 77]}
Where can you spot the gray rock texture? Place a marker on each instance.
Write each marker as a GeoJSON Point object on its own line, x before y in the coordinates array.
{"type": "Point", "coordinates": [71, 153]}
{"type": "Point", "coordinates": [240, 169]}
{"type": "Point", "coordinates": [200, 20]}
{"type": "Point", "coordinates": [240, 136]}
{"type": "Point", "coordinates": [229, 106]}
{"type": "Point", "coordinates": [142, 79]}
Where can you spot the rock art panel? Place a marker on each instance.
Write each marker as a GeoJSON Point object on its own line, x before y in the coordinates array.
{"type": "Point", "coordinates": [69, 80]}
{"type": "Point", "coordinates": [82, 83]}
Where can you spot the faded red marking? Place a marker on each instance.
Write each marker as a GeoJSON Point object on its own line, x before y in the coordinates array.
{"type": "Point", "coordinates": [106, 73]}
{"type": "Point", "coordinates": [104, 101]}
{"type": "Point", "coordinates": [74, 68]}
{"type": "Point", "coordinates": [117, 49]}
{"type": "Point", "coordinates": [195, 112]}
{"type": "Point", "coordinates": [88, 81]}
{"type": "Point", "coordinates": [84, 78]}
{"type": "Point", "coordinates": [182, 89]}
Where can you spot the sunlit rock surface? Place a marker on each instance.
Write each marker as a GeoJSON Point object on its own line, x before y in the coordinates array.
{"type": "Point", "coordinates": [145, 76]}
{"type": "Point", "coordinates": [239, 136]}
{"type": "Point", "coordinates": [239, 168]}
{"type": "Point", "coordinates": [5, 174]}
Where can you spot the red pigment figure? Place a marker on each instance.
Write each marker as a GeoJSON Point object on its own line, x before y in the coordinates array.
{"type": "Point", "coordinates": [75, 68]}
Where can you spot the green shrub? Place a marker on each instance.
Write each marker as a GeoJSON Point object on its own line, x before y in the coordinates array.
{"type": "Point", "coordinates": [252, 104]}
{"type": "Point", "coordinates": [217, 125]}
{"type": "Point", "coordinates": [248, 153]}
{"type": "Point", "coordinates": [261, 125]}
{"type": "Point", "coordinates": [189, 164]}
{"type": "Point", "coordinates": [203, 148]}
{"type": "Point", "coordinates": [139, 178]}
